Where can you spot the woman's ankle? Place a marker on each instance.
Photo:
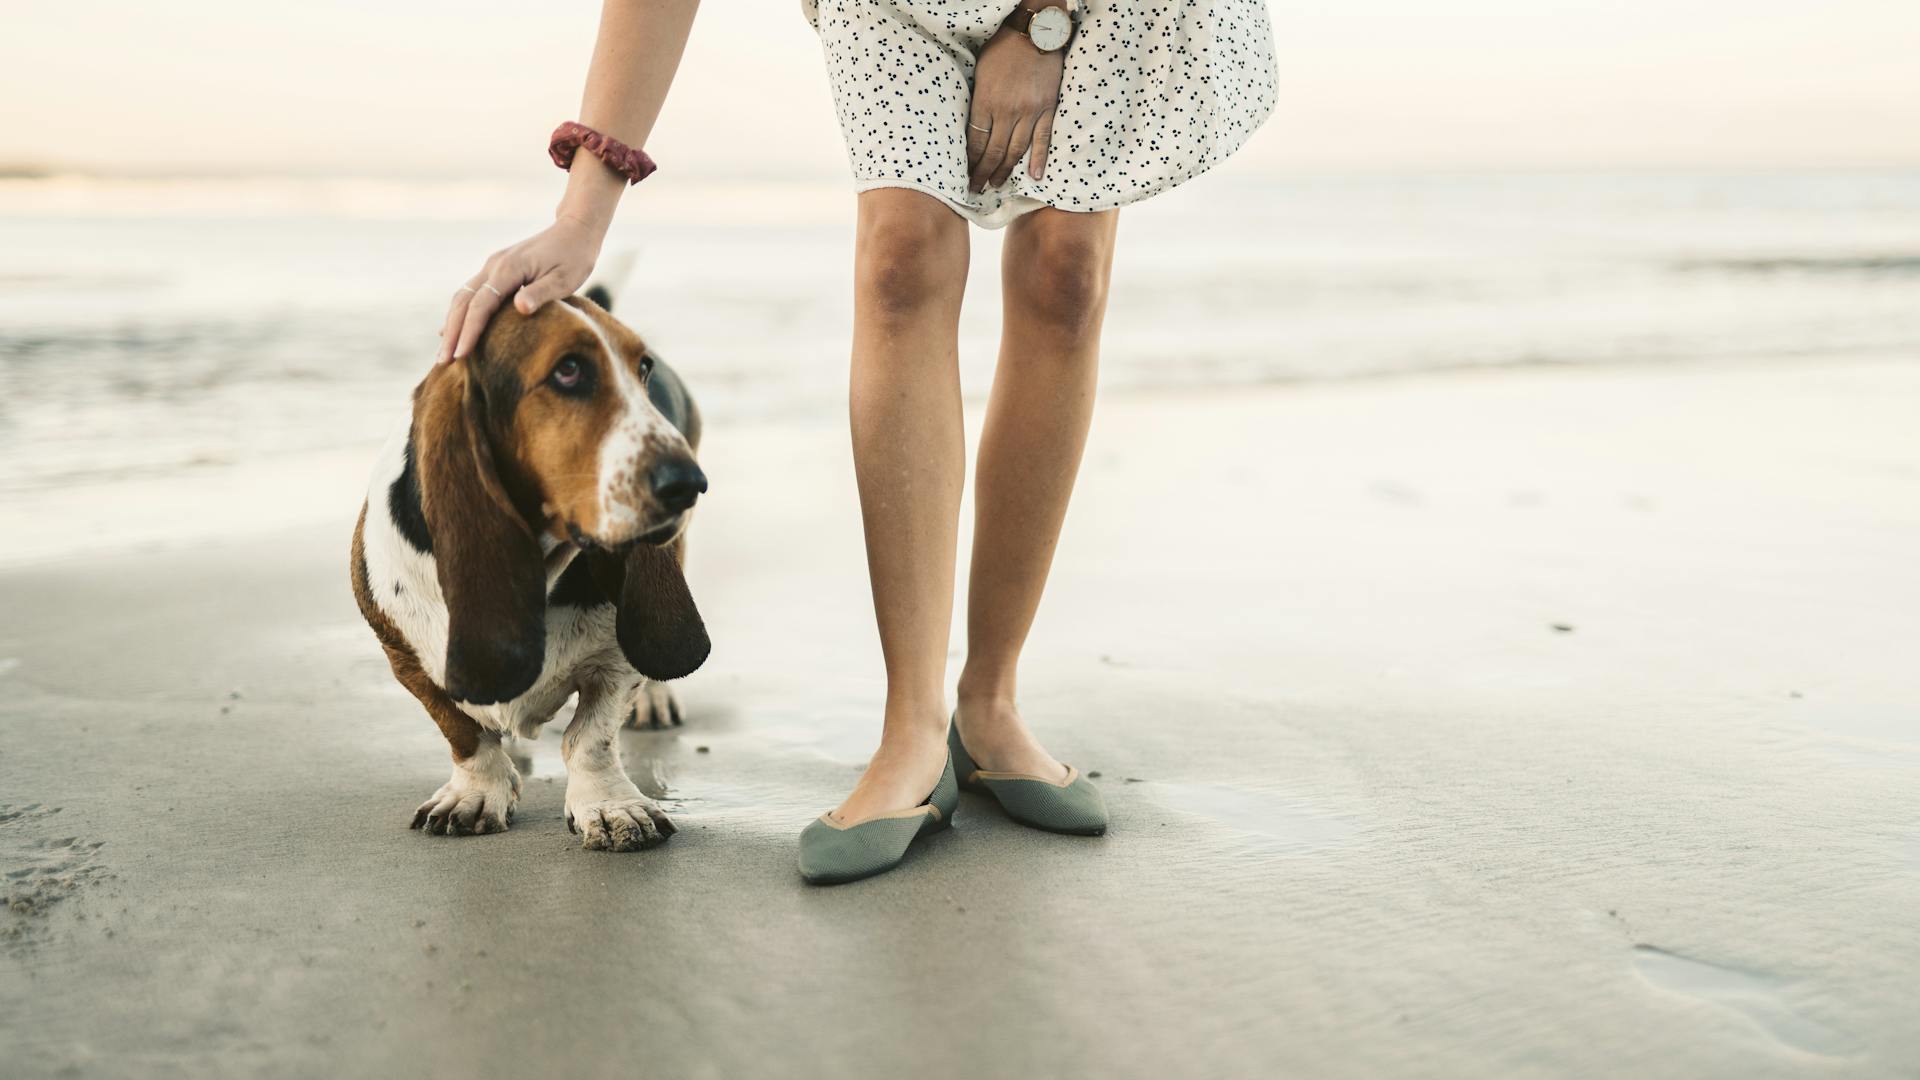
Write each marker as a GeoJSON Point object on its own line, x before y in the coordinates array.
{"type": "Point", "coordinates": [996, 736]}
{"type": "Point", "coordinates": [987, 711]}
{"type": "Point", "coordinates": [985, 688]}
{"type": "Point", "coordinates": [915, 717]}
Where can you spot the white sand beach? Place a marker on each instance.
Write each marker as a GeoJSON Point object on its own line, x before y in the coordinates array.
{"type": "Point", "coordinates": [1534, 722]}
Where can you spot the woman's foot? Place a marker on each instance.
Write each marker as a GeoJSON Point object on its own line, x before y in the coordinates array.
{"type": "Point", "coordinates": [998, 740]}
{"type": "Point", "coordinates": [1033, 788]}
{"type": "Point", "coordinates": [902, 772]}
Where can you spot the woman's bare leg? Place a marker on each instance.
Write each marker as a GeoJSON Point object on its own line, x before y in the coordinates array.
{"type": "Point", "coordinates": [909, 456]}
{"type": "Point", "coordinates": [1054, 273]}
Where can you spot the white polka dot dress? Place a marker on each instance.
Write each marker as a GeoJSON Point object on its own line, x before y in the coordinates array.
{"type": "Point", "coordinates": [1154, 92]}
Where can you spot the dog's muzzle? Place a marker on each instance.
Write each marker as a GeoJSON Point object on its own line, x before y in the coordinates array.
{"type": "Point", "coordinates": [676, 483]}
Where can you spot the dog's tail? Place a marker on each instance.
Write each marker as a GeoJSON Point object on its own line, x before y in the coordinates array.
{"type": "Point", "coordinates": [616, 268]}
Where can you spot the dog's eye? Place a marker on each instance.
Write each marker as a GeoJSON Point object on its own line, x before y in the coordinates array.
{"type": "Point", "coordinates": [569, 373]}
{"type": "Point", "coordinates": [646, 365]}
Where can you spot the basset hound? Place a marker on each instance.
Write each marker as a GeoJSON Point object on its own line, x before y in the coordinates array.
{"type": "Point", "coordinates": [522, 541]}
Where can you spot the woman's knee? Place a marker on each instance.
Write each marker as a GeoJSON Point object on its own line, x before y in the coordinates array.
{"type": "Point", "coordinates": [911, 252]}
{"type": "Point", "coordinates": [1059, 271]}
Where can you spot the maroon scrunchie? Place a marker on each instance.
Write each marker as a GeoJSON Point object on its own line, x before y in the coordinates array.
{"type": "Point", "coordinates": [569, 137]}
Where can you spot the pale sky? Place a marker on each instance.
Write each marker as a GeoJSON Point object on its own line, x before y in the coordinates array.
{"type": "Point", "coordinates": [442, 88]}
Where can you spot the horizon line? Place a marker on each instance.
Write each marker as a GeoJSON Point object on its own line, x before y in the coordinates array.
{"type": "Point", "coordinates": [39, 171]}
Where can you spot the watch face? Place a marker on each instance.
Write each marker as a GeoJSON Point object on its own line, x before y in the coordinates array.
{"type": "Point", "coordinates": [1050, 29]}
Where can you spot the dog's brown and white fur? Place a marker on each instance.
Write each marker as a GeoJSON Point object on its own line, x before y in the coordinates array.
{"type": "Point", "coordinates": [522, 542]}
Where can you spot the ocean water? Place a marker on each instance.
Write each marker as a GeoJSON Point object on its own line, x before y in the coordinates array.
{"type": "Point", "coordinates": [158, 326]}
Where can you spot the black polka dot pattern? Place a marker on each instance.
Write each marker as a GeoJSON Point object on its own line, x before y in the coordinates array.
{"type": "Point", "coordinates": [1154, 93]}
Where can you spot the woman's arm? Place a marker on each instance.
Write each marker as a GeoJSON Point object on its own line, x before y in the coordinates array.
{"type": "Point", "coordinates": [634, 58]}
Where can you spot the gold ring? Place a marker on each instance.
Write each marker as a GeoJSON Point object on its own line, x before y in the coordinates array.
{"type": "Point", "coordinates": [464, 288]}
{"type": "Point", "coordinates": [977, 127]}
{"type": "Point", "coordinates": [488, 285]}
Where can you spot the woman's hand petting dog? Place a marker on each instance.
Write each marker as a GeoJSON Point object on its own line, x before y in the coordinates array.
{"type": "Point", "coordinates": [1016, 88]}
{"type": "Point", "coordinates": [546, 266]}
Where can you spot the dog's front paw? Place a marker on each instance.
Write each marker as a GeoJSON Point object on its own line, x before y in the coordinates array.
{"type": "Point", "coordinates": [619, 824]}
{"type": "Point", "coordinates": [654, 706]}
{"type": "Point", "coordinates": [478, 798]}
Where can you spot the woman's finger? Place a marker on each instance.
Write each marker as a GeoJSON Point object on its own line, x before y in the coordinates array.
{"type": "Point", "coordinates": [450, 329]}
{"type": "Point", "coordinates": [485, 301]}
{"type": "Point", "coordinates": [479, 311]}
{"type": "Point", "coordinates": [1042, 139]}
{"type": "Point", "coordinates": [996, 152]}
{"type": "Point", "coordinates": [979, 127]}
{"type": "Point", "coordinates": [1016, 145]}
{"type": "Point", "coordinates": [551, 285]}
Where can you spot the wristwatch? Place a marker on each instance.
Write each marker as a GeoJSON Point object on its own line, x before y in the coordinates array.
{"type": "Point", "coordinates": [1048, 26]}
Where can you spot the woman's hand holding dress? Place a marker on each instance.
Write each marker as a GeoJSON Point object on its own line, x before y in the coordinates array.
{"type": "Point", "coordinates": [1016, 88]}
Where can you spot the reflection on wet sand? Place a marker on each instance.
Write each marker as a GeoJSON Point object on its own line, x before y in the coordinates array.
{"type": "Point", "coordinates": [1754, 995]}
{"type": "Point", "coordinates": [1245, 815]}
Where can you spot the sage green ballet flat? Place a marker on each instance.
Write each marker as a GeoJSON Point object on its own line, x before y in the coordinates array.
{"type": "Point", "coordinates": [1072, 805]}
{"type": "Point", "coordinates": [833, 854]}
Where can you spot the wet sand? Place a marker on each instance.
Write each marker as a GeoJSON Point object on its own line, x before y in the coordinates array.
{"type": "Point", "coordinates": [1529, 723]}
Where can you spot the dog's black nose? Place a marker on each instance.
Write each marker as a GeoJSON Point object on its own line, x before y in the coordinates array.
{"type": "Point", "coordinates": [677, 482]}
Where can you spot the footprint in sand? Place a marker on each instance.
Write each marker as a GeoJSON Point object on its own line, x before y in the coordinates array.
{"type": "Point", "coordinates": [1751, 994]}
{"type": "Point", "coordinates": [38, 871]}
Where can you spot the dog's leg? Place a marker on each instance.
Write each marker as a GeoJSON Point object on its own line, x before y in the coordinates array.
{"type": "Point", "coordinates": [603, 805]}
{"type": "Point", "coordinates": [654, 706]}
{"type": "Point", "coordinates": [480, 795]}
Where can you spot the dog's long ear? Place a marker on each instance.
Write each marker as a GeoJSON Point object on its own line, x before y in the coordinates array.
{"type": "Point", "coordinates": [489, 562]}
{"type": "Point", "coordinates": [659, 629]}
